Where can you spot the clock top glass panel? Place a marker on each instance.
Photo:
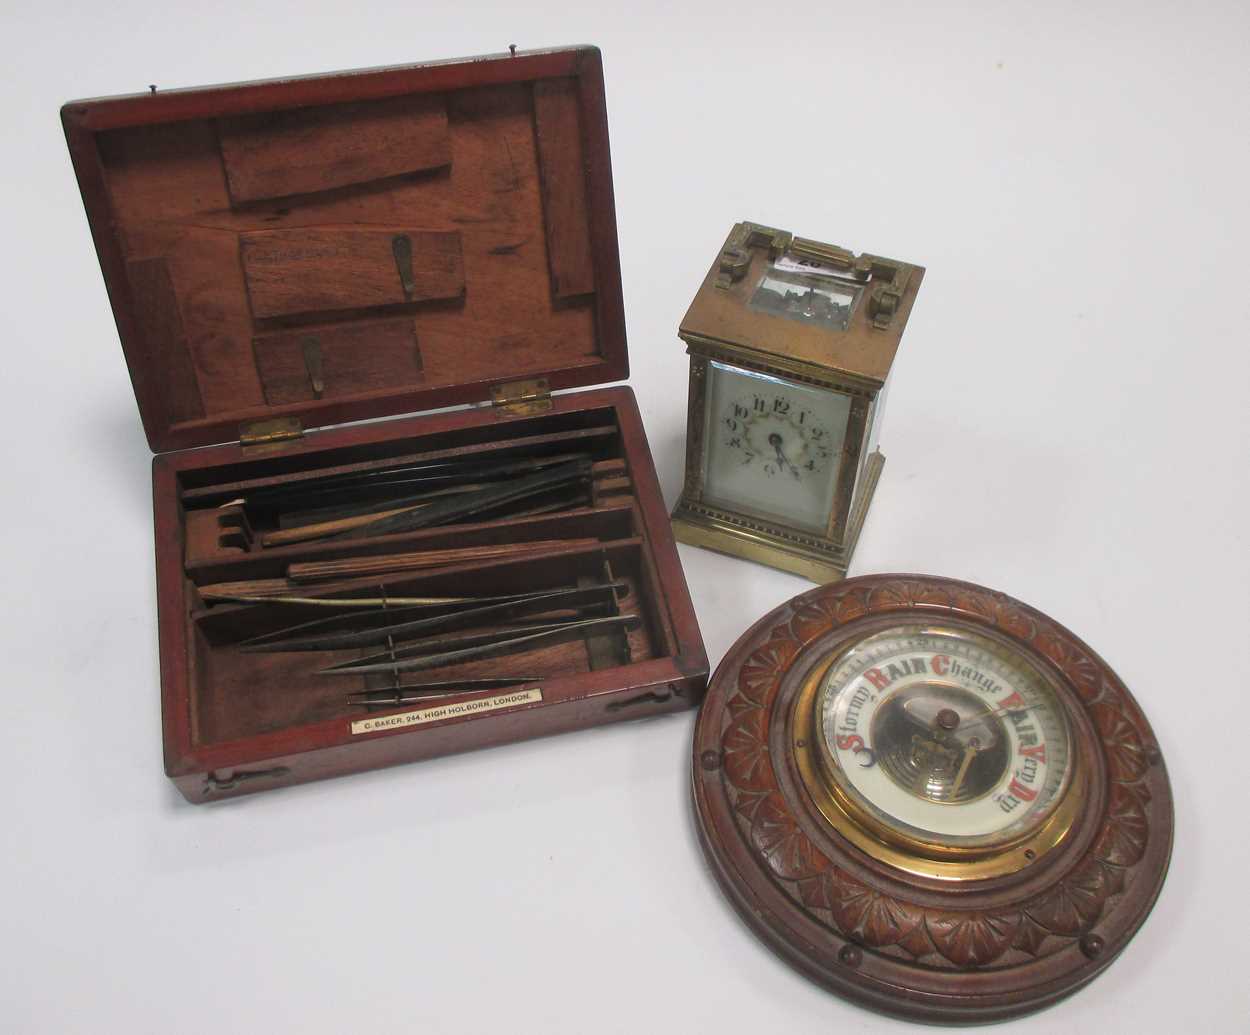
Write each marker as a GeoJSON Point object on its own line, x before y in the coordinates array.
{"type": "Point", "coordinates": [792, 291]}
{"type": "Point", "coordinates": [772, 447]}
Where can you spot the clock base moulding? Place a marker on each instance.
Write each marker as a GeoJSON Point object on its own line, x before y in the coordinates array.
{"type": "Point", "coordinates": [763, 543]}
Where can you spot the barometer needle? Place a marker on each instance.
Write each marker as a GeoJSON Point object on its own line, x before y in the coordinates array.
{"type": "Point", "coordinates": [969, 754]}
{"type": "Point", "coordinates": [994, 713]}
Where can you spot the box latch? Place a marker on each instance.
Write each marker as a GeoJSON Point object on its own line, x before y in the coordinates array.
{"type": "Point", "coordinates": [270, 434]}
{"type": "Point", "coordinates": [520, 398]}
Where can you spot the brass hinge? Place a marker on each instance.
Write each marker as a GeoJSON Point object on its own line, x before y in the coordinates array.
{"type": "Point", "coordinates": [270, 434]}
{"type": "Point", "coordinates": [522, 397]}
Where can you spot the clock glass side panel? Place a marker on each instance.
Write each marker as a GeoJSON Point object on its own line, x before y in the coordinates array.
{"type": "Point", "coordinates": [772, 447]}
{"type": "Point", "coordinates": [872, 435]}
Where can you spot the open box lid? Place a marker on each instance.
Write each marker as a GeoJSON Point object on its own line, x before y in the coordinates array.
{"type": "Point", "coordinates": [355, 245]}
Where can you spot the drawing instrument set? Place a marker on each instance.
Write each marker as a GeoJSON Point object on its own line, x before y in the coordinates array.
{"type": "Point", "coordinates": [288, 262]}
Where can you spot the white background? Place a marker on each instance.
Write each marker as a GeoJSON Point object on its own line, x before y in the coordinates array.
{"type": "Point", "coordinates": [1068, 424]}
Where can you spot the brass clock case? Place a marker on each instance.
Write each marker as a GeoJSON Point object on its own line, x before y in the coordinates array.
{"type": "Point", "coordinates": [958, 929]}
{"type": "Point", "coordinates": [821, 326]}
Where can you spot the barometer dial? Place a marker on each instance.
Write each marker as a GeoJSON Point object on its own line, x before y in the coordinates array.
{"type": "Point", "coordinates": [943, 736]}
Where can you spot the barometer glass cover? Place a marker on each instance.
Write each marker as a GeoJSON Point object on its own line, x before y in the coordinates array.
{"type": "Point", "coordinates": [944, 736]}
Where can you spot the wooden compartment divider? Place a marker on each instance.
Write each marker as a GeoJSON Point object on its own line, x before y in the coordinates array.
{"type": "Point", "coordinates": [166, 342]}
{"type": "Point", "coordinates": [280, 154]}
{"type": "Point", "coordinates": [320, 270]}
{"type": "Point", "coordinates": [557, 128]}
{"type": "Point", "coordinates": [337, 360]}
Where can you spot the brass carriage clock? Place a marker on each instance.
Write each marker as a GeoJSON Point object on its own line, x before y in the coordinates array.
{"type": "Point", "coordinates": [791, 343]}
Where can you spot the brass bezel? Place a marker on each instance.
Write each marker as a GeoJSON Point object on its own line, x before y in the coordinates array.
{"type": "Point", "coordinates": [896, 848]}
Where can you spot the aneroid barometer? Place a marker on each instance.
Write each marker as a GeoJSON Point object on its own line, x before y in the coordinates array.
{"type": "Point", "coordinates": [791, 343]}
{"type": "Point", "coordinates": [930, 797]}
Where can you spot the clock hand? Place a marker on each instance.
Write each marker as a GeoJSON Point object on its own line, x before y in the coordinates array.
{"type": "Point", "coordinates": [775, 441]}
{"type": "Point", "coordinates": [782, 457]}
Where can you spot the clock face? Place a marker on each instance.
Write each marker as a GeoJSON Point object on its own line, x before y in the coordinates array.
{"type": "Point", "coordinates": [772, 447]}
{"type": "Point", "coordinates": [943, 736]}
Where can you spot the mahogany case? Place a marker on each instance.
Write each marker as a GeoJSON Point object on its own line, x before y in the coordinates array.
{"type": "Point", "coordinates": [283, 256]}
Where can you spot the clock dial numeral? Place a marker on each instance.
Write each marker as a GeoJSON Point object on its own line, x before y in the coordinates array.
{"type": "Point", "coordinates": [775, 427]}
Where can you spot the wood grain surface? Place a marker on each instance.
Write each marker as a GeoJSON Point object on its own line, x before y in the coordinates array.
{"type": "Point", "coordinates": [355, 358]}
{"type": "Point", "coordinates": [310, 150]}
{"type": "Point", "coordinates": [276, 204]}
{"type": "Point", "coordinates": [319, 270]}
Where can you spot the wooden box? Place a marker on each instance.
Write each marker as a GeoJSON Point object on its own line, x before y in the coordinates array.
{"type": "Point", "coordinates": [284, 256]}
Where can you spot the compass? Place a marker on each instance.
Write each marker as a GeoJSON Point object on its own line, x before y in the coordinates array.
{"type": "Point", "coordinates": [930, 797]}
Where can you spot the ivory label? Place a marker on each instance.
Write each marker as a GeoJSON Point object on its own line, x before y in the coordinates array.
{"type": "Point", "coordinates": [447, 711]}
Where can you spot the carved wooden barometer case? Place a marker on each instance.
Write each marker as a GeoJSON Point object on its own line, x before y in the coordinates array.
{"type": "Point", "coordinates": [791, 343]}
{"type": "Point", "coordinates": [930, 797]}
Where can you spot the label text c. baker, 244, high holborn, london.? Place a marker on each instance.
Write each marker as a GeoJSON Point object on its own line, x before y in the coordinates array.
{"type": "Point", "coordinates": [446, 711]}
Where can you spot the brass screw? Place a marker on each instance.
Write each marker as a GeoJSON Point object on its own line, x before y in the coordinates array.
{"type": "Point", "coordinates": [851, 955]}
{"type": "Point", "coordinates": [710, 760]}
